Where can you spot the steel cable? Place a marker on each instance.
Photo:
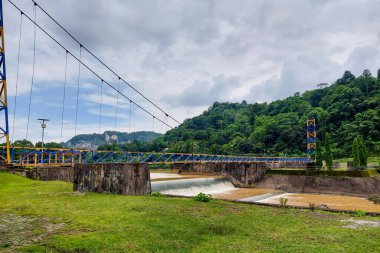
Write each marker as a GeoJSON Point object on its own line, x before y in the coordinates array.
{"type": "Point", "coordinates": [17, 77]}
{"type": "Point", "coordinates": [64, 96]}
{"type": "Point", "coordinates": [33, 69]}
{"type": "Point", "coordinates": [105, 65]}
{"type": "Point", "coordinates": [77, 104]}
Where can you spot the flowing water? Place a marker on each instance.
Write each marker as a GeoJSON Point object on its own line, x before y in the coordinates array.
{"type": "Point", "coordinates": [191, 187]}
{"type": "Point", "coordinates": [170, 183]}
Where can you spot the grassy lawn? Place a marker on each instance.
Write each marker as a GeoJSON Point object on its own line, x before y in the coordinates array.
{"type": "Point", "coordinates": [48, 217]}
{"type": "Point", "coordinates": [373, 160]}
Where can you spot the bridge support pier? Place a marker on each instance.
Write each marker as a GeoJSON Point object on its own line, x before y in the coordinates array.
{"type": "Point", "coordinates": [239, 173]}
{"type": "Point", "coordinates": [121, 178]}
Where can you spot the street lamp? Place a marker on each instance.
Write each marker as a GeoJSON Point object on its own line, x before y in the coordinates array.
{"type": "Point", "coordinates": [43, 126]}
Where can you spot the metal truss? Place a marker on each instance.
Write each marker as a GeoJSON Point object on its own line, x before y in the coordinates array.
{"type": "Point", "coordinates": [4, 129]}
{"type": "Point", "coordinates": [24, 157]}
{"type": "Point", "coordinates": [311, 138]}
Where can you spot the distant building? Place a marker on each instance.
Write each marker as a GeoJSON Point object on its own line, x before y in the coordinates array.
{"type": "Point", "coordinates": [114, 138]}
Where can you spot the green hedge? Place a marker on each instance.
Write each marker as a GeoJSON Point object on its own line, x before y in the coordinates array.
{"type": "Point", "coordinates": [334, 173]}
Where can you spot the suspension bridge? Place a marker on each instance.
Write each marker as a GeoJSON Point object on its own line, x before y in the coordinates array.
{"type": "Point", "coordinates": [29, 156]}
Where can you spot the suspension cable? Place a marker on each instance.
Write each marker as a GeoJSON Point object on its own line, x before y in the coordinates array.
{"type": "Point", "coordinates": [100, 105]}
{"type": "Point", "coordinates": [64, 96]}
{"type": "Point", "coordinates": [86, 66]}
{"type": "Point", "coordinates": [105, 65]}
{"type": "Point", "coordinates": [130, 115]}
{"type": "Point", "coordinates": [33, 69]}
{"type": "Point", "coordinates": [153, 124]}
{"type": "Point", "coordinates": [76, 108]}
{"type": "Point", "coordinates": [17, 75]}
{"type": "Point", "coordinates": [117, 104]}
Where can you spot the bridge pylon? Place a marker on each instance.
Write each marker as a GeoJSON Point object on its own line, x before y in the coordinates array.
{"type": "Point", "coordinates": [4, 127]}
{"type": "Point", "coordinates": [311, 138]}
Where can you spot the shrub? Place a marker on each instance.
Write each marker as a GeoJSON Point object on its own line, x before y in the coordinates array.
{"type": "Point", "coordinates": [360, 213]}
{"type": "Point", "coordinates": [202, 197]}
{"type": "Point", "coordinates": [156, 194]}
{"type": "Point", "coordinates": [283, 202]}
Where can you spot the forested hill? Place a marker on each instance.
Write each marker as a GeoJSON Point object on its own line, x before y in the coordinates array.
{"type": "Point", "coordinates": [346, 108]}
{"type": "Point", "coordinates": [106, 137]}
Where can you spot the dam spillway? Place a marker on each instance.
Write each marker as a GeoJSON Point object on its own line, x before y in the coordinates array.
{"type": "Point", "coordinates": [191, 187]}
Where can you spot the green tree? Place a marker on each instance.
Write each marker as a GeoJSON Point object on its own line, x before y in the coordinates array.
{"type": "Point", "coordinates": [48, 145]}
{"type": "Point", "coordinates": [23, 143]}
{"type": "Point", "coordinates": [359, 153]}
{"type": "Point", "coordinates": [328, 152]}
{"type": "Point", "coordinates": [319, 156]}
{"type": "Point", "coordinates": [346, 78]}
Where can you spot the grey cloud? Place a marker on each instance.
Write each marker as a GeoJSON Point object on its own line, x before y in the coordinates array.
{"type": "Point", "coordinates": [363, 58]}
{"type": "Point", "coordinates": [175, 51]}
{"type": "Point", "coordinates": [204, 92]}
{"type": "Point", "coordinates": [299, 74]}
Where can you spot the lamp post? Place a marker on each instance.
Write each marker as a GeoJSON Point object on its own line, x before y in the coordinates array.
{"type": "Point", "coordinates": [43, 126]}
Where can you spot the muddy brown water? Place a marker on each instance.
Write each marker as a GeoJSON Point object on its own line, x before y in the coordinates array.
{"type": "Point", "coordinates": [338, 202]}
{"type": "Point", "coordinates": [241, 193]}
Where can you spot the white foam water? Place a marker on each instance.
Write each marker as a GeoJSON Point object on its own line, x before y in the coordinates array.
{"type": "Point", "coordinates": [191, 187]}
{"type": "Point", "coordinates": [154, 175]}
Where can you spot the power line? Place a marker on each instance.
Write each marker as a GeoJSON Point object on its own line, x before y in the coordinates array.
{"type": "Point", "coordinates": [87, 67]}
{"type": "Point", "coordinates": [105, 65]}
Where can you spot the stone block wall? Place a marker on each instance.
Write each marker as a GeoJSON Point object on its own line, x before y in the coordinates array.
{"type": "Point", "coordinates": [120, 178]}
{"type": "Point", "coordinates": [51, 174]}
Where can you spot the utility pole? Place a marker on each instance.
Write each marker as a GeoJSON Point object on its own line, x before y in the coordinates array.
{"type": "Point", "coordinates": [43, 126]}
{"type": "Point", "coordinates": [4, 130]}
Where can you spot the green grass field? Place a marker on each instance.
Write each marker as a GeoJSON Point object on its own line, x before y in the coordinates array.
{"type": "Point", "coordinates": [40, 216]}
{"type": "Point", "coordinates": [372, 160]}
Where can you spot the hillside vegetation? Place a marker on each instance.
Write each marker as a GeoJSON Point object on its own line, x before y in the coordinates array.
{"type": "Point", "coordinates": [348, 107]}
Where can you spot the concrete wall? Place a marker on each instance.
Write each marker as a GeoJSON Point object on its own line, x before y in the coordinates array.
{"type": "Point", "coordinates": [240, 174]}
{"type": "Point", "coordinates": [51, 174]}
{"type": "Point", "coordinates": [121, 178]}
{"type": "Point", "coordinates": [356, 186]}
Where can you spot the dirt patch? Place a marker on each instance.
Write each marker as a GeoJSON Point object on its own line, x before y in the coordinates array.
{"type": "Point", "coordinates": [17, 230]}
{"type": "Point", "coordinates": [355, 224]}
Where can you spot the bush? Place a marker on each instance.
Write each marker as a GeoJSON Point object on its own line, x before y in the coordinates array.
{"type": "Point", "coordinates": [202, 197]}
{"type": "Point", "coordinates": [360, 213]}
{"type": "Point", "coordinates": [156, 194]}
{"type": "Point", "coordinates": [283, 202]}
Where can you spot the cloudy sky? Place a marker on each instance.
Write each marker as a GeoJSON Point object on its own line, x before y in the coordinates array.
{"type": "Point", "coordinates": [183, 55]}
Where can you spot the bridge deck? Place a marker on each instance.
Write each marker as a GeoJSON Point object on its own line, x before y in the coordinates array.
{"type": "Point", "coordinates": [27, 156]}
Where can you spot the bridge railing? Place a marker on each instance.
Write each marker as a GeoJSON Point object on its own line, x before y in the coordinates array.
{"type": "Point", "coordinates": [30, 156]}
